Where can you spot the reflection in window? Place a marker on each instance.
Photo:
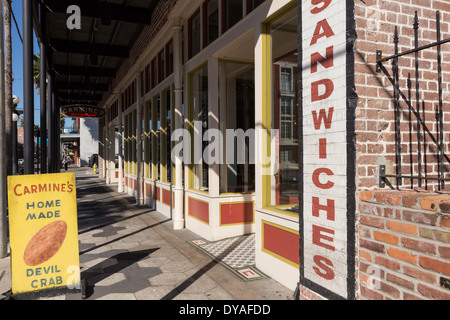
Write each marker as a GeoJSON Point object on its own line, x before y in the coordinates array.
{"type": "Point", "coordinates": [233, 12]}
{"type": "Point", "coordinates": [237, 114]}
{"type": "Point", "coordinates": [134, 146]}
{"type": "Point", "coordinates": [169, 58]}
{"type": "Point", "coordinates": [286, 130]}
{"type": "Point", "coordinates": [286, 105]}
{"type": "Point", "coordinates": [199, 115]}
{"type": "Point", "coordinates": [285, 110]}
{"type": "Point", "coordinates": [162, 66]}
{"type": "Point", "coordinates": [194, 34]}
{"type": "Point", "coordinates": [168, 129]}
{"type": "Point", "coordinates": [147, 79]}
{"type": "Point", "coordinates": [126, 138]}
{"type": "Point", "coordinates": [286, 80]}
{"type": "Point", "coordinates": [211, 11]}
{"type": "Point", "coordinates": [158, 136]}
{"type": "Point", "coordinates": [129, 129]}
{"type": "Point", "coordinates": [154, 73]}
{"type": "Point", "coordinates": [148, 140]}
{"type": "Point", "coordinates": [252, 4]}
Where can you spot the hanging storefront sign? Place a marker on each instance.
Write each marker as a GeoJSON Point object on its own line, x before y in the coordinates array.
{"type": "Point", "coordinates": [83, 111]}
{"type": "Point", "coordinates": [327, 226]}
{"type": "Point", "coordinates": [43, 232]}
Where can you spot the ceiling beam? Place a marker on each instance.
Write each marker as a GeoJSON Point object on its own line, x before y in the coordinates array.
{"type": "Point", "coordinates": [78, 86]}
{"type": "Point", "coordinates": [64, 103]}
{"type": "Point", "coordinates": [86, 48]}
{"type": "Point", "coordinates": [106, 11]}
{"type": "Point", "coordinates": [79, 97]}
{"type": "Point", "coordinates": [81, 71]}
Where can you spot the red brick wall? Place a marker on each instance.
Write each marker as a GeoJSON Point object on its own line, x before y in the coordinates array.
{"type": "Point", "coordinates": [404, 237]}
{"type": "Point", "coordinates": [375, 130]}
{"type": "Point", "coordinates": [404, 246]}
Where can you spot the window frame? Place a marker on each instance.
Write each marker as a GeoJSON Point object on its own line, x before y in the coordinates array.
{"type": "Point", "coordinates": [225, 15]}
{"type": "Point", "coordinates": [191, 53]}
{"type": "Point", "coordinates": [161, 66]}
{"type": "Point", "coordinates": [206, 33]}
{"type": "Point", "coordinates": [251, 5]}
{"type": "Point", "coordinates": [190, 126]}
{"type": "Point", "coordinates": [169, 58]}
{"type": "Point", "coordinates": [268, 105]}
{"type": "Point", "coordinates": [148, 139]}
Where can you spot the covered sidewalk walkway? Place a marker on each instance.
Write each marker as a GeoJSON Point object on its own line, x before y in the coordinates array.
{"type": "Point", "coordinates": [130, 252]}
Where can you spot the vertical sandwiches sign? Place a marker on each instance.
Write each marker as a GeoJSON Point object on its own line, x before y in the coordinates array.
{"type": "Point", "coordinates": [327, 222]}
{"type": "Point", "coordinates": [43, 232]}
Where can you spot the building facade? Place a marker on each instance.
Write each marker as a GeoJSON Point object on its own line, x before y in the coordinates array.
{"type": "Point", "coordinates": [270, 117]}
{"type": "Point", "coordinates": [88, 140]}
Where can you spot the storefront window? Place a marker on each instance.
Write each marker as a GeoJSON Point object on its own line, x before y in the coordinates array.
{"type": "Point", "coordinates": [134, 143]}
{"type": "Point", "coordinates": [148, 140]}
{"type": "Point", "coordinates": [284, 113]}
{"type": "Point", "coordinates": [237, 124]}
{"type": "Point", "coordinates": [252, 4]}
{"type": "Point", "coordinates": [194, 34]}
{"type": "Point", "coordinates": [198, 125]}
{"type": "Point", "coordinates": [168, 136]}
{"type": "Point", "coordinates": [161, 66]}
{"type": "Point", "coordinates": [169, 57]}
{"type": "Point", "coordinates": [157, 122]}
{"type": "Point", "coordinates": [211, 12]}
{"type": "Point", "coordinates": [126, 139]}
{"type": "Point", "coordinates": [233, 12]}
{"type": "Point", "coordinates": [154, 73]}
{"type": "Point", "coordinates": [147, 79]}
{"type": "Point", "coordinates": [129, 161]}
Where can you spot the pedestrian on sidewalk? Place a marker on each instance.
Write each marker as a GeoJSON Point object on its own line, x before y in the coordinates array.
{"type": "Point", "coordinates": [66, 162]}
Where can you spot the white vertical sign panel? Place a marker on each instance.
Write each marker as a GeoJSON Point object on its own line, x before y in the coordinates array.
{"type": "Point", "coordinates": [326, 153]}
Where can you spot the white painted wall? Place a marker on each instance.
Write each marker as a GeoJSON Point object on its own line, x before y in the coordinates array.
{"type": "Point", "coordinates": [88, 139]}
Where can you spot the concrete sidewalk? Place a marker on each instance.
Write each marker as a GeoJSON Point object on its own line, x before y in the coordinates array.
{"type": "Point", "coordinates": [132, 253]}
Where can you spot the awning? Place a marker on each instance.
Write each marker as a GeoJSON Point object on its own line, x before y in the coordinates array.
{"type": "Point", "coordinates": [85, 61]}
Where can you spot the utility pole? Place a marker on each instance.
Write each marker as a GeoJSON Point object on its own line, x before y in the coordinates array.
{"type": "Point", "coordinates": [3, 184]}
{"type": "Point", "coordinates": [43, 88]}
{"type": "Point", "coordinates": [8, 84]}
{"type": "Point", "coordinates": [28, 89]}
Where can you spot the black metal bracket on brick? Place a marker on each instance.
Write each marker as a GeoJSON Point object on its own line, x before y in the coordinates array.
{"type": "Point", "coordinates": [382, 176]}
{"type": "Point", "coordinates": [417, 109]}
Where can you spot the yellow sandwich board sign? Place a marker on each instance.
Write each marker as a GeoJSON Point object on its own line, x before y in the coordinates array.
{"type": "Point", "coordinates": [43, 232]}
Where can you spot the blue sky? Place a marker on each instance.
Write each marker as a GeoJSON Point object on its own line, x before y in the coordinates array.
{"type": "Point", "coordinates": [17, 56]}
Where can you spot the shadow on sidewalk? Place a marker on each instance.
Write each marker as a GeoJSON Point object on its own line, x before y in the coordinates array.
{"type": "Point", "coordinates": [183, 286]}
{"type": "Point", "coordinates": [125, 263]}
{"type": "Point", "coordinates": [99, 209]}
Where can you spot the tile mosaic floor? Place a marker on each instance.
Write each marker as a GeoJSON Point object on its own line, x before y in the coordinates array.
{"type": "Point", "coordinates": [237, 254]}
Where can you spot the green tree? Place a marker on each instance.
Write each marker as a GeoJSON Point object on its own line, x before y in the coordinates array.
{"type": "Point", "coordinates": [37, 83]}
{"type": "Point", "coordinates": [37, 71]}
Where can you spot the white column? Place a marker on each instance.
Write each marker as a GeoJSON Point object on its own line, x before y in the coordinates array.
{"type": "Point", "coordinates": [213, 123]}
{"type": "Point", "coordinates": [260, 148]}
{"type": "Point", "coordinates": [139, 177]}
{"type": "Point", "coordinates": [120, 151]}
{"type": "Point", "coordinates": [107, 148]}
{"type": "Point", "coordinates": [178, 217]}
{"type": "Point", "coordinates": [112, 152]}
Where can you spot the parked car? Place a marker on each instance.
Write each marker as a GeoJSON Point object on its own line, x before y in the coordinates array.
{"type": "Point", "coordinates": [93, 160]}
